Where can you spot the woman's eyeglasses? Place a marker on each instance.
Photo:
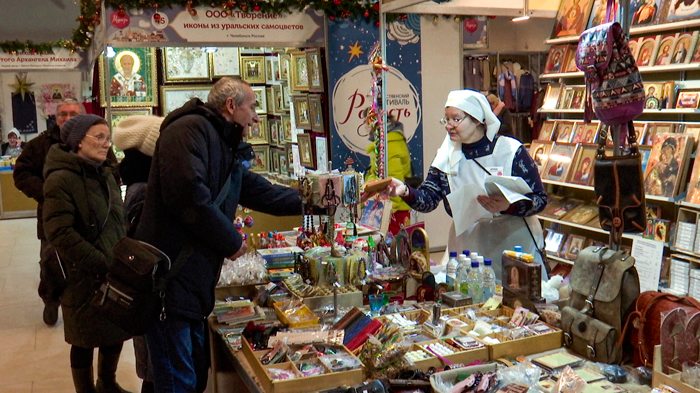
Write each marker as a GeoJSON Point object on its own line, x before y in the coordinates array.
{"type": "Point", "coordinates": [101, 139]}
{"type": "Point", "coordinates": [444, 121]}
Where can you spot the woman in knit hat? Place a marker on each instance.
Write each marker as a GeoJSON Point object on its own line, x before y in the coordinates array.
{"type": "Point", "coordinates": [136, 136]}
{"type": "Point", "coordinates": [472, 150]}
{"type": "Point", "coordinates": [83, 219]}
{"type": "Point", "coordinates": [13, 146]}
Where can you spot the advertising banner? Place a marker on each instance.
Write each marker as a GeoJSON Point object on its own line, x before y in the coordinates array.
{"type": "Point", "coordinates": [207, 25]}
{"type": "Point", "coordinates": [350, 44]}
{"type": "Point", "coordinates": [61, 59]}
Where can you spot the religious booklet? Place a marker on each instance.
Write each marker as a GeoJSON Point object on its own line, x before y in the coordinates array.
{"type": "Point", "coordinates": [512, 188]}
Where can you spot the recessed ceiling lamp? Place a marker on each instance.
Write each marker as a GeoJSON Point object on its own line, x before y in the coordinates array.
{"type": "Point", "coordinates": [526, 13]}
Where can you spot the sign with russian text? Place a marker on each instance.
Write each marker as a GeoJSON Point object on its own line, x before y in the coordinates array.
{"type": "Point", "coordinates": [61, 59]}
{"type": "Point", "coordinates": [213, 26]}
{"type": "Point", "coordinates": [350, 44]}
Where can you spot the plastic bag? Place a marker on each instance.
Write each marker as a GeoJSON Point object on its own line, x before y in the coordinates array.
{"type": "Point", "coordinates": [570, 382]}
{"type": "Point", "coordinates": [246, 269]}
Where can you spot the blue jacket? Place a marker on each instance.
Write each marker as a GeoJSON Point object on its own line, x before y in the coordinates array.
{"type": "Point", "coordinates": [194, 155]}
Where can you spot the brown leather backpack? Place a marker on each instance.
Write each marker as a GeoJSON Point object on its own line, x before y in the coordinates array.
{"type": "Point", "coordinates": [645, 322]}
{"type": "Point", "coordinates": [604, 287]}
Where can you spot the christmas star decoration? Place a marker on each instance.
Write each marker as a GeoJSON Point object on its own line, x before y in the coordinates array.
{"type": "Point", "coordinates": [21, 87]}
{"type": "Point", "coordinates": [355, 50]}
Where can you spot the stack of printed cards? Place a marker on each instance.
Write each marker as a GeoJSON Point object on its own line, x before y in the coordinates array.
{"type": "Point", "coordinates": [694, 287]}
{"type": "Point", "coordinates": [680, 276]}
{"type": "Point", "coordinates": [685, 237]}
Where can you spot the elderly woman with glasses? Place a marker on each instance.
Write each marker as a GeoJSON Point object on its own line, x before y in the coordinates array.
{"type": "Point", "coordinates": [83, 218]}
{"type": "Point", "coordinates": [483, 221]}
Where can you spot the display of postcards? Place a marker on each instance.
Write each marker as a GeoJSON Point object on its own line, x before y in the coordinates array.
{"type": "Point", "coordinates": [556, 58]}
{"type": "Point", "coordinates": [546, 130]}
{"type": "Point", "coordinates": [688, 99]}
{"type": "Point", "coordinates": [685, 235]}
{"type": "Point", "coordinates": [562, 131]}
{"type": "Point", "coordinates": [663, 55]}
{"type": "Point", "coordinates": [559, 162]}
{"type": "Point", "coordinates": [645, 151]}
{"type": "Point", "coordinates": [575, 245]}
{"type": "Point", "coordinates": [551, 99]}
{"type": "Point", "coordinates": [539, 151]}
{"type": "Point", "coordinates": [571, 60]}
{"type": "Point", "coordinates": [645, 14]}
{"type": "Point", "coordinates": [582, 214]}
{"type": "Point", "coordinates": [634, 47]}
{"type": "Point", "coordinates": [665, 169]}
{"type": "Point", "coordinates": [561, 208]}
{"type": "Point", "coordinates": [647, 49]}
{"type": "Point", "coordinates": [693, 195]}
{"type": "Point", "coordinates": [652, 92]}
{"type": "Point", "coordinates": [683, 47]}
{"type": "Point", "coordinates": [586, 133]}
{"type": "Point", "coordinates": [572, 18]}
{"type": "Point", "coordinates": [540, 328]}
{"type": "Point", "coordinates": [582, 172]}
{"type": "Point", "coordinates": [653, 129]}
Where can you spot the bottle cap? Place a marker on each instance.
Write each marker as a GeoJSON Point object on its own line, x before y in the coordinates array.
{"type": "Point", "coordinates": [465, 252]}
{"type": "Point", "coordinates": [453, 254]}
{"type": "Point", "coordinates": [518, 248]}
{"type": "Point", "coordinates": [475, 263]}
{"type": "Point", "coordinates": [480, 259]}
{"type": "Point", "coordinates": [487, 262]}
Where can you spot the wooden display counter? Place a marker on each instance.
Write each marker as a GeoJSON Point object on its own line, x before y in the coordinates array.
{"type": "Point", "coordinates": [13, 203]}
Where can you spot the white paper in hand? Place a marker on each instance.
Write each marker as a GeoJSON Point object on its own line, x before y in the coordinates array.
{"type": "Point", "coordinates": [511, 196]}
{"type": "Point", "coordinates": [514, 183]}
{"type": "Point", "coordinates": [465, 208]}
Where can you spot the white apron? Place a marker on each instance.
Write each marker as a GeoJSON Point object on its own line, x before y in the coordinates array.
{"type": "Point", "coordinates": [488, 236]}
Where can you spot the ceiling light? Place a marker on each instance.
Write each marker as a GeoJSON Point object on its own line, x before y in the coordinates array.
{"type": "Point", "coordinates": [526, 13]}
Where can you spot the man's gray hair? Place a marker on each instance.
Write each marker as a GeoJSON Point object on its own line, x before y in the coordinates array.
{"type": "Point", "coordinates": [70, 101]}
{"type": "Point", "coordinates": [225, 88]}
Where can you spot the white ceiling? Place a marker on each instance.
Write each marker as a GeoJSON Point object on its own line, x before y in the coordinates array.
{"type": "Point", "coordinates": [38, 20]}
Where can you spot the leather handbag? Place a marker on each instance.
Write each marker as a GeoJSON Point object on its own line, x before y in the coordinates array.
{"type": "Point", "coordinates": [604, 286]}
{"type": "Point", "coordinates": [619, 188]}
{"type": "Point", "coordinates": [614, 88]}
{"type": "Point", "coordinates": [645, 321]}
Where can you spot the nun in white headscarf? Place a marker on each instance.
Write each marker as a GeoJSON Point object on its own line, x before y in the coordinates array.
{"type": "Point", "coordinates": [472, 150]}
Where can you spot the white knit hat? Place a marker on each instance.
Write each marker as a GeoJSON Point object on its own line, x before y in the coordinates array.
{"type": "Point", "coordinates": [138, 132]}
{"type": "Point", "coordinates": [475, 105]}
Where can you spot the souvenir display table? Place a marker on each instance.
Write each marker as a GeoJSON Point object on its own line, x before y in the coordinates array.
{"type": "Point", "coordinates": [14, 204]}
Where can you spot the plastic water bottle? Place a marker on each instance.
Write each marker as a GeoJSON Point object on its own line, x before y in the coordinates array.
{"type": "Point", "coordinates": [480, 259]}
{"type": "Point", "coordinates": [474, 283]}
{"type": "Point", "coordinates": [488, 281]}
{"type": "Point", "coordinates": [451, 270]}
{"type": "Point", "coordinates": [462, 272]}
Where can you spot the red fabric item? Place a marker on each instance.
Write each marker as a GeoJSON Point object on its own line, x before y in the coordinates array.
{"type": "Point", "coordinates": [360, 339]}
{"type": "Point", "coordinates": [399, 218]}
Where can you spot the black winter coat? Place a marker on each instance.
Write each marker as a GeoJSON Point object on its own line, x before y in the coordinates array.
{"type": "Point", "coordinates": [83, 219]}
{"type": "Point", "coordinates": [194, 155]}
{"type": "Point", "coordinates": [29, 169]}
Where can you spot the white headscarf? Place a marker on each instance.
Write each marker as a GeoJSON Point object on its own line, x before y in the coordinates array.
{"type": "Point", "coordinates": [477, 106]}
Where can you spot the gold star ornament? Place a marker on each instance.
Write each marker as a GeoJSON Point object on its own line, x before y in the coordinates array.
{"type": "Point", "coordinates": [355, 51]}
{"type": "Point", "coordinates": [22, 87]}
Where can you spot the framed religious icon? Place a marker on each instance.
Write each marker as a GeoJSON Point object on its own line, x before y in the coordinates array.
{"type": "Point", "coordinates": [539, 151]}
{"type": "Point", "coordinates": [664, 172]}
{"type": "Point", "coordinates": [566, 98]}
{"type": "Point", "coordinates": [118, 115]}
{"type": "Point", "coordinates": [299, 79]}
{"type": "Point", "coordinates": [285, 65]}
{"type": "Point", "coordinates": [634, 47]}
{"type": "Point", "coordinates": [682, 48]}
{"type": "Point", "coordinates": [260, 99]}
{"type": "Point", "coordinates": [693, 195]}
{"type": "Point", "coordinates": [575, 245]}
{"type": "Point", "coordinates": [599, 12]}
{"type": "Point", "coordinates": [301, 111]}
{"type": "Point", "coordinates": [313, 62]}
{"type": "Point", "coordinates": [645, 12]}
{"type": "Point", "coordinates": [688, 99]}
{"type": "Point", "coordinates": [186, 64]}
{"type": "Point", "coordinates": [253, 69]}
{"type": "Point", "coordinates": [283, 162]}
{"type": "Point", "coordinates": [132, 78]}
{"type": "Point", "coordinates": [551, 99]}
{"type": "Point", "coordinates": [277, 98]}
{"type": "Point", "coordinates": [269, 70]}
{"type": "Point", "coordinates": [275, 131]}
{"type": "Point", "coordinates": [663, 55]}
{"type": "Point", "coordinates": [695, 58]}
{"type": "Point", "coordinates": [653, 92]}
{"type": "Point", "coordinates": [559, 162]}
{"type": "Point", "coordinates": [692, 129]}
{"type": "Point", "coordinates": [556, 59]}
{"type": "Point", "coordinates": [640, 129]}
{"type": "Point", "coordinates": [675, 11]}
{"type": "Point", "coordinates": [226, 62]}
{"type": "Point", "coordinates": [563, 131]}
{"type": "Point", "coordinates": [289, 152]}
{"type": "Point", "coordinates": [316, 113]}
{"type": "Point", "coordinates": [582, 214]}
{"type": "Point", "coordinates": [570, 63]}
{"type": "Point", "coordinates": [582, 172]}
{"type": "Point", "coordinates": [268, 101]}
{"type": "Point", "coordinates": [252, 51]}
{"type": "Point", "coordinates": [546, 130]}
{"type": "Point", "coordinates": [173, 97]}
{"type": "Point", "coordinates": [274, 161]}
{"type": "Point", "coordinates": [286, 130]}
{"type": "Point", "coordinates": [258, 133]}
{"type": "Point", "coordinates": [577, 99]}
{"type": "Point", "coordinates": [306, 154]}
{"type": "Point", "coordinates": [571, 18]}
{"type": "Point", "coordinates": [321, 153]}
{"type": "Point", "coordinates": [647, 50]}
{"type": "Point", "coordinates": [261, 162]}
{"type": "Point", "coordinates": [586, 133]}
{"type": "Point", "coordinates": [667, 95]}
{"type": "Point", "coordinates": [653, 129]}
{"type": "Point", "coordinates": [286, 97]}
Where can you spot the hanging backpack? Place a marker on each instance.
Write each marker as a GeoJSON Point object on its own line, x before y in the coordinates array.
{"type": "Point", "coordinates": [614, 88]}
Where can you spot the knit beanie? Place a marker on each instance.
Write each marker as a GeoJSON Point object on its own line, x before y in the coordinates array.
{"type": "Point", "coordinates": [138, 132]}
{"type": "Point", "coordinates": [74, 130]}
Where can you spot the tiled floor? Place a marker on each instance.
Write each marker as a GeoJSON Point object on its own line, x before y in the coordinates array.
{"type": "Point", "coordinates": [34, 358]}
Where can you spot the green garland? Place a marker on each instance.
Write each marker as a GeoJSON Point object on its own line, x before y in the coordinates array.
{"type": "Point", "coordinates": [90, 16]}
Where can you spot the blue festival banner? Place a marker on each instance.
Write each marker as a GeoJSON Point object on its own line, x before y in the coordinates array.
{"type": "Point", "coordinates": [350, 43]}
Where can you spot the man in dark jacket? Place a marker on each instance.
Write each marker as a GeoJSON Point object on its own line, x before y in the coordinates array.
{"type": "Point", "coordinates": [29, 179]}
{"type": "Point", "coordinates": [194, 156]}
